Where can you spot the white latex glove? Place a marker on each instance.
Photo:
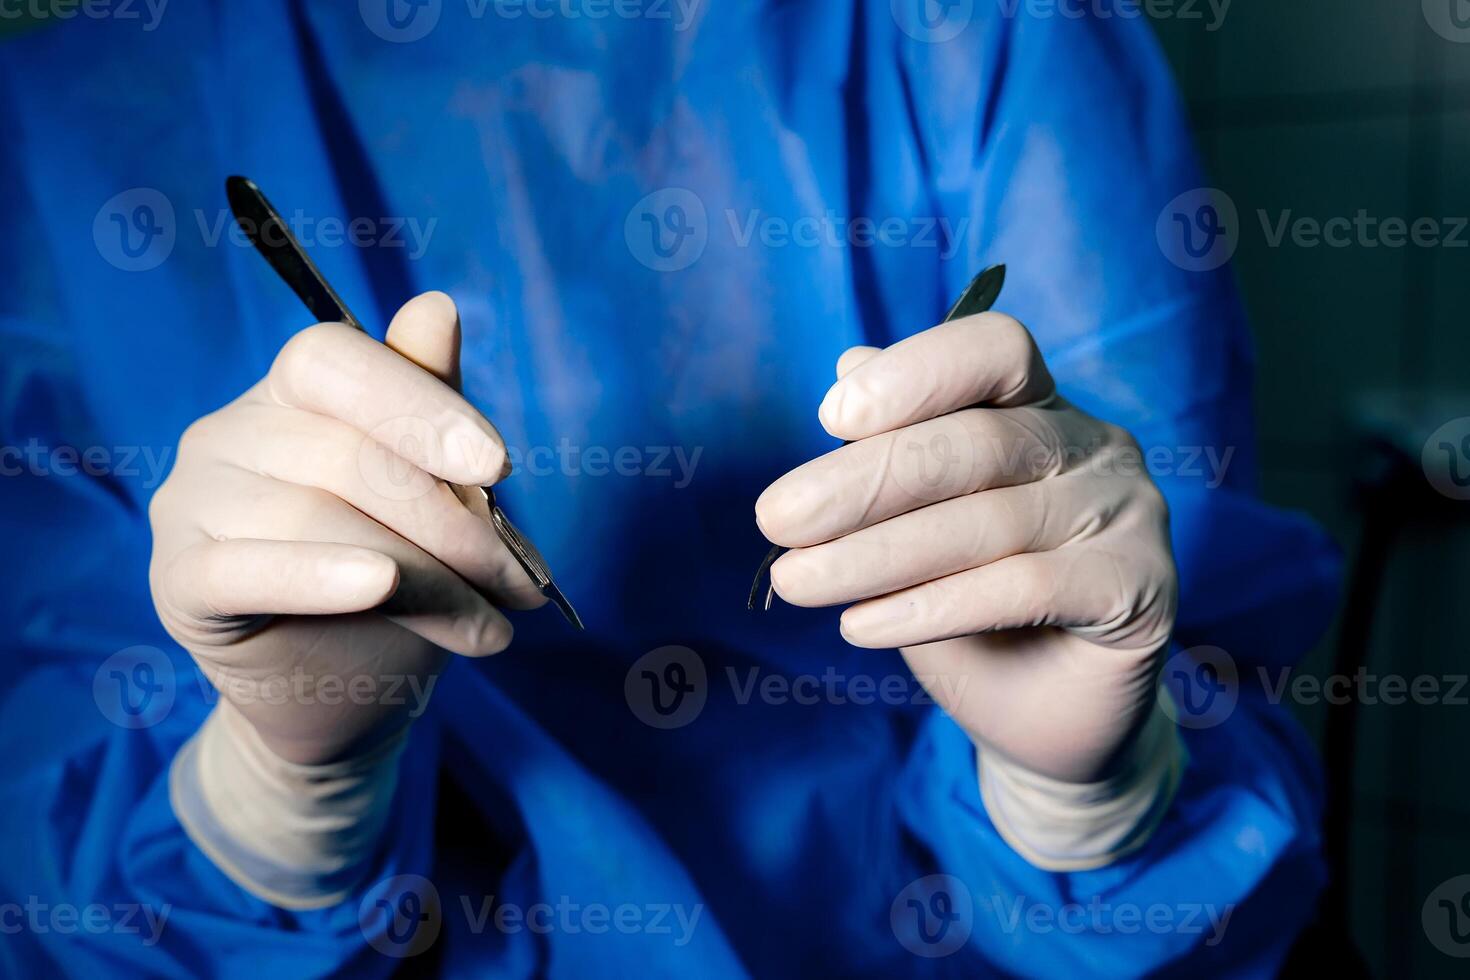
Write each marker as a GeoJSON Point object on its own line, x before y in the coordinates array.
{"type": "Point", "coordinates": [1015, 550]}
{"type": "Point", "coordinates": [310, 552]}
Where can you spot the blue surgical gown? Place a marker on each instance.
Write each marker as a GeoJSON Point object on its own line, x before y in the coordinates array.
{"type": "Point", "coordinates": [615, 202]}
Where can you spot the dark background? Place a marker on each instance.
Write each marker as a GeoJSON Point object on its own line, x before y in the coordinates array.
{"type": "Point", "coordinates": [1326, 108]}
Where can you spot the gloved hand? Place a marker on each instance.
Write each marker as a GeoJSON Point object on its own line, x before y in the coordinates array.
{"type": "Point", "coordinates": [1016, 552]}
{"type": "Point", "coordinates": [311, 554]}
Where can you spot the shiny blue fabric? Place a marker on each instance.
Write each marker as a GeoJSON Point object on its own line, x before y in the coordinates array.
{"type": "Point", "coordinates": [1049, 143]}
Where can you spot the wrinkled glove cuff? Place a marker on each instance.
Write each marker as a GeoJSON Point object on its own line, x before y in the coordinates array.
{"type": "Point", "coordinates": [298, 836]}
{"type": "Point", "coordinates": [1061, 826]}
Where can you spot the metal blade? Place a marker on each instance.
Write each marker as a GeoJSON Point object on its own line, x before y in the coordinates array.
{"type": "Point", "coordinates": [529, 559]}
{"type": "Point", "coordinates": [980, 295]}
{"type": "Point", "coordinates": [760, 573]}
{"type": "Point", "coordinates": [560, 601]}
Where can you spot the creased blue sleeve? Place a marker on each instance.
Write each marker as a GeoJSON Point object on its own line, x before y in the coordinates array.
{"type": "Point", "coordinates": [99, 877]}
{"type": "Point", "coordinates": [1058, 142]}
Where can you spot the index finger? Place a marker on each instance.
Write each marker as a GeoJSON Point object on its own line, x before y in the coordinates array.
{"type": "Point", "coordinates": [986, 359]}
{"type": "Point", "coordinates": [871, 480]}
{"type": "Point", "coordinates": [333, 370]}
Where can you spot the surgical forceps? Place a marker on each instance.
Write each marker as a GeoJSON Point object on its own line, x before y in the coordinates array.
{"type": "Point", "coordinates": [271, 237]}
{"type": "Point", "coordinates": [979, 296]}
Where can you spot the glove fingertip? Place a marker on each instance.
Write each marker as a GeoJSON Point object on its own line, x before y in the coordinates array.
{"type": "Point", "coordinates": [363, 578]}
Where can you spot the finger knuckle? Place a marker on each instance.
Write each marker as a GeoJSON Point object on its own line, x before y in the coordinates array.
{"type": "Point", "coordinates": [1007, 335]}
{"type": "Point", "coordinates": [307, 349]}
{"type": "Point", "coordinates": [1153, 602]}
{"type": "Point", "coordinates": [1116, 435]}
{"type": "Point", "coordinates": [1155, 504]}
{"type": "Point", "coordinates": [199, 435]}
{"type": "Point", "coordinates": [170, 586]}
{"type": "Point", "coordinates": [160, 505]}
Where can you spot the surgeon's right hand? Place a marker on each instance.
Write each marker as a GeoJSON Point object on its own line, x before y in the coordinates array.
{"type": "Point", "coordinates": [315, 553]}
{"type": "Point", "coordinates": [310, 535]}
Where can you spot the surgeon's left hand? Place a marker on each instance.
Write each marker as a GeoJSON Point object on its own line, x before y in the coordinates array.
{"type": "Point", "coordinates": [1011, 546]}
